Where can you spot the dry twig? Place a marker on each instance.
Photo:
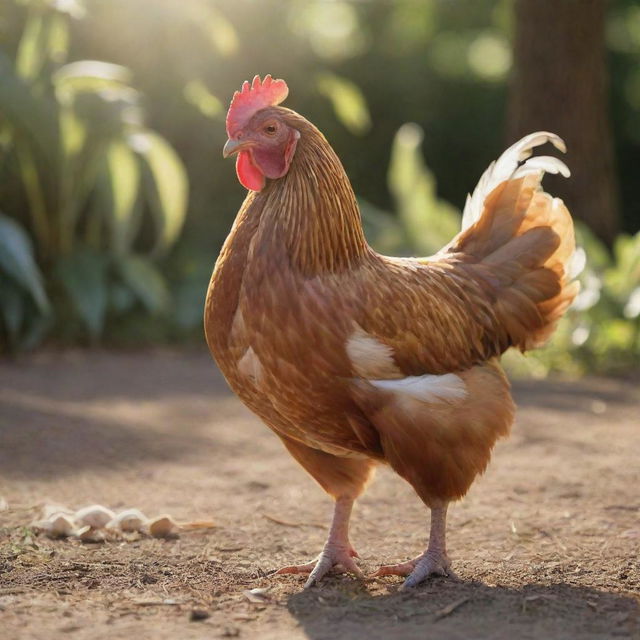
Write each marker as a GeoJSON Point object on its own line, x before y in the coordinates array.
{"type": "Point", "coordinates": [449, 609]}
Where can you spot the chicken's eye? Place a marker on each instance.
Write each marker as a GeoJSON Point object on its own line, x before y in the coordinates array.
{"type": "Point", "coordinates": [270, 129]}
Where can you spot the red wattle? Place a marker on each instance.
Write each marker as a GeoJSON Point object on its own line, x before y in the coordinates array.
{"type": "Point", "coordinates": [249, 175]}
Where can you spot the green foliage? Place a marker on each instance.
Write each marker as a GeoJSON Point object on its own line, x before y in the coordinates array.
{"type": "Point", "coordinates": [82, 170]}
{"type": "Point", "coordinates": [348, 102]}
{"type": "Point", "coordinates": [430, 222]}
{"type": "Point", "coordinates": [423, 222]}
{"type": "Point", "coordinates": [17, 263]}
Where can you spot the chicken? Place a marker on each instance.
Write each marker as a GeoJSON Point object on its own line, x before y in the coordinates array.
{"type": "Point", "coordinates": [355, 359]}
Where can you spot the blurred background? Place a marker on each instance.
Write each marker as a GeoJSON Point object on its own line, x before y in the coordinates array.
{"type": "Point", "coordinates": [115, 199]}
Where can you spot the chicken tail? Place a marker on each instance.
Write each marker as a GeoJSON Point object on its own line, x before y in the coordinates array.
{"type": "Point", "coordinates": [519, 243]}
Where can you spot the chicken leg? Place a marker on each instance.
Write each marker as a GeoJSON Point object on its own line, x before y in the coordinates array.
{"type": "Point", "coordinates": [433, 561]}
{"type": "Point", "coordinates": [344, 479]}
{"type": "Point", "coordinates": [337, 550]}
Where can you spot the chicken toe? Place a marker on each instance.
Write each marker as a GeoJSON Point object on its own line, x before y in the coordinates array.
{"type": "Point", "coordinates": [429, 564]}
{"type": "Point", "coordinates": [332, 556]}
{"type": "Point", "coordinates": [434, 561]}
{"type": "Point", "coordinates": [337, 551]}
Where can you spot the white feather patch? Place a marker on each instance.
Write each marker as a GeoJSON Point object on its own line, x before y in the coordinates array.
{"type": "Point", "coordinates": [370, 358]}
{"type": "Point", "coordinates": [249, 365]}
{"type": "Point", "coordinates": [508, 166]}
{"type": "Point", "coordinates": [427, 388]}
{"type": "Point", "coordinates": [237, 324]}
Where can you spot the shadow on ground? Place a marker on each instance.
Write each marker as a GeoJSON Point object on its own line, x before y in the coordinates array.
{"type": "Point", "coordinates": [565, 395]}
{"type": "Point", "coordinates": [61, 414]}
{"type": "Point", "coordinates": [464, 610]}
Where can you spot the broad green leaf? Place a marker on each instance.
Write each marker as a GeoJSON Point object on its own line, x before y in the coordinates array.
{"type": "Point", "coordinates": [90, 75]}
{"type": "Point", "coordinates": [58, 44]}
{"type": "Point", "coordinates": [36, 196]}
{"type": "Point", "coordinates": [627, 251]}
{"type": "Point", "coordinates": [120, 180]}
{"type": "Point", "coordinates": [73, 132]}
{"type": "Point", "coordinates": [45, 37]}
{"type": "Point", "coordinates": [17, 261]}
{"type": "Point", "coordinates": [33, 45]}
{"type": "Point", "coordinates": [32, 118]}
{"type": "Point", "coordinates": [215, 26]}
{"type": "Point", "coordinates": [196, 93]}
{"type": "Point", "coordinates": [623, 276]}
{"type": "Point", "coordinates": [25, 327]}
{"type": "Point", "coordinates": [121, 298]}
{"type": "Point", "coordinates": [165, 185]}
{"type": "Point", "coordinates": [142, 277]}
{"type": "Point", "coordinates": [34, 331]}
{"type": "Point", "coordinates": [83, 275]}
{"type": "Point", "coordinates": [12, 304]}
{"type": "Point", "coordinates": [347, 100]}
{"type": "Point", "coordinates": [430, 222]}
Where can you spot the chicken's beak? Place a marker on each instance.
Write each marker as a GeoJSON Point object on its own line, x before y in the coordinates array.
{"type": "Point", "coordinates": [234, 146]}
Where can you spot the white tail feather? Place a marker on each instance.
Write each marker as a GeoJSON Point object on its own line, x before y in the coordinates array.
{"type": "Point", "coordinates": [508, 166]}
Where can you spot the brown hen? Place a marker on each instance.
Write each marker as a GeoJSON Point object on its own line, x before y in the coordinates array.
{"type": "Point", "coordinates": [355, 359]}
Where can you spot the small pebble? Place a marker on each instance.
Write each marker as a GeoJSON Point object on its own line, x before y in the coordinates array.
{"type": "Point", "coordinates": [198, 614]}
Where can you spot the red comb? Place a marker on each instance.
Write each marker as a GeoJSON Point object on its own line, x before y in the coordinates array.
{"type": "Point", "coordinates": [251, 98]}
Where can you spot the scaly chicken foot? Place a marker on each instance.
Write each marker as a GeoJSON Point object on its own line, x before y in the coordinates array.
{"type": "Point", "coordinates": [434, 561]}
{"type": "Point", "coordinates": [337, 551]}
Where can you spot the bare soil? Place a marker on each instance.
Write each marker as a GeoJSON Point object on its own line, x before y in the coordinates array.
{"type": "Point", "coordinates": [546, 543]}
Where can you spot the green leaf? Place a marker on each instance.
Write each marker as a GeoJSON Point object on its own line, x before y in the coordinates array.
{"type": "Point", "coordinates": [91, 75]}
{"type": "Point", "coordinates": [121, 298]}
{"type": "Point", "coordinates": [25, 327]}
{"type": "Point", "coordinates": [28, 116]}
{"type": "Point", "coordinates": [84, 277]}
{"type": "Point", "coordinates": [623, 276]}
{"type": "Point", "coordinates": [11, 307]}
{"type": "Point", "coordinates": [32, 48]}
{"type": "Point", "coordinates": [36, 196]}
{"type": "Point", "coordinates": [17, 261]}
{"type": "Point", "coordinates": [196, 93]}
{"type": "Point", "coordinates": [627, 252]}
{"type": "Point", "coordinates": [214, 25]}
{"type": "Point", "coordinates": [165, 185]}
{"type": "Point", "coordinates": [429, 221]}
{"type": "Point", "coordinates": [142, 277]}
{"type": "Point", "coordinates": [58, 38]}
{"type": "Point", "coordinates": [120, 179]}
{"type": "Point", "coordinates": [348, 102]}
{"type": "Point", "coordinates": [45, 37]}
{"type": "Point", "coordinates": [73, 132]}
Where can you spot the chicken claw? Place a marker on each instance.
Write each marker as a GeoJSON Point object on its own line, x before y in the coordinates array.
{"type": "Point", "coordinates": [434, 561]}
{"type": "Point", "coordinates": [333, 555]}
{"type": "Point", "coordinates": [337, 550]}
{"type": "Point", "coordinates": [416, 570]}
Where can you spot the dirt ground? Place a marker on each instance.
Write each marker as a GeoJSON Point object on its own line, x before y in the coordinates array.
{"type": "Point", "coordinates": [546, 543]}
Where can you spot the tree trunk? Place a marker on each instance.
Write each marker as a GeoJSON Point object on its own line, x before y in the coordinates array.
{"type": "Point", "coordinates": [560, 84]}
